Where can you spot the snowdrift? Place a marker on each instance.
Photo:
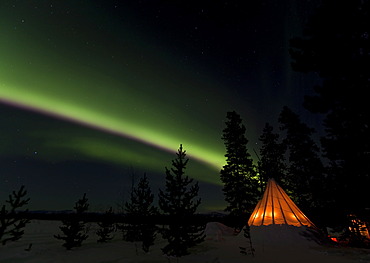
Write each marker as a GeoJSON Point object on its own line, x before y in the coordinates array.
{"type": "Point", "coordinates": [217, 231]}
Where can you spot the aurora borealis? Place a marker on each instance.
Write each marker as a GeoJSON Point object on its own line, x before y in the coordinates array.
{"type": "Point", "coordinates": [93, 91]}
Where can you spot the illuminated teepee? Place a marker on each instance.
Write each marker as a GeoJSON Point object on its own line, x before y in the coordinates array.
{"type": "Point", "coordinates": [276, 208]}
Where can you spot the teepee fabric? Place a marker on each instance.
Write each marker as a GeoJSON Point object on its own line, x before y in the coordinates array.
{"type": "Point", "coordinates": [276, 208]}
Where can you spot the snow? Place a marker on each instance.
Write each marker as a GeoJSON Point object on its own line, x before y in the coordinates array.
{"type": "Point", "coordinates": [273, 244]}
{"type": "Point", "coordinates": [217, 231]}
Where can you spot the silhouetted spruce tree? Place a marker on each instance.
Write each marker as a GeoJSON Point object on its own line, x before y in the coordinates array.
{"type": "Point", "coordinates": [11, 224]}
{"type": "Point", "coordinates": [74, 228]}
{"type": "Point", "coordinates": [179, 203]}
{"type": "Point", "coordinates": [338, 50]}
{"type": "Point", "coordinates": [238, 175]}
{"type": "Point", "coordinates": [305, 174]}
{"type": "Point", "coordinates": [140, 211]}
{"type": "Point", "coordinates": [106, 227]}
{"type": "Point", "coordinates": [272, 160]}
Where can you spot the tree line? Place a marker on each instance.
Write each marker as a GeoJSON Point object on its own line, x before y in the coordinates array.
{"type": "Point", "coordinates": [178, 201]}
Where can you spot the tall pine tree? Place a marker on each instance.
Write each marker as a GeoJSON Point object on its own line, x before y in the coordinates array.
{"type": "Point", "coordinates": [305, 174]}
{"type": "Point", "coordinates": [238, 175]}
{"type": "Point", "coordinates": [338, 50]}
{"type": "Point", "coordinates": [140, 211]}
{"type": "Point", "coordinates": [272, 161]}
{"type": "Point", "coordinates": [73, 228]}
{"type": "Point", "coordinates": [179, 202]}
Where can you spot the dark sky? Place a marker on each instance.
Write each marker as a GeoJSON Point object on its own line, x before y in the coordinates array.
{"type": "Point", "coordinates": [94, 92]}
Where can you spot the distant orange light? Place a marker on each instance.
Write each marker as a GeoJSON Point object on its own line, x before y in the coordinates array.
{"type": "Point", "coordinates": [333, 238]}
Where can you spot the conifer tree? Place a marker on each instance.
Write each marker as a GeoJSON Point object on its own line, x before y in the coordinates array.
{"type": "Point", "coordinates": [305, 173]}
{"type": "Point", "coordinates": [337, 50]}
{"type": "Point", "coordinates": [178, 201]}
{"type": "Point", "coordinates": [238, 175]}
{"type": "Point", "coordinates": [272, 161]}
{"type": "Point", "coordinates": [106, 227]}
{"type": "Point", "coordinates": [73, 228]}
{"type": "Point", "coordinates": [12, 226]}
{"type": "Point", "coordinates": [140, 210]}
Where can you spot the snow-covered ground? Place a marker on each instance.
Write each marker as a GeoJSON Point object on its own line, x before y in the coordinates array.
{"type": "Point", "coordinates": [272, 244]}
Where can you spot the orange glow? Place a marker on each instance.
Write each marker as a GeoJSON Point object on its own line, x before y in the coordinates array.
{"type": "Point", "coordinates": [360, 226]}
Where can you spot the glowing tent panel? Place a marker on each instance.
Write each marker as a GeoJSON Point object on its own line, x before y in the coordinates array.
{"type": "Point", "coordinates": [276, 208]}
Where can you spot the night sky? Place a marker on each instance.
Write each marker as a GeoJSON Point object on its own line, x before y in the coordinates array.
{"type": "Point", "coordinates": [93, 93]}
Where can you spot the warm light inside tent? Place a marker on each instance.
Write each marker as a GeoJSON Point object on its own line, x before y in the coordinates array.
{"type": "Point", "coordinates": [276, 207]}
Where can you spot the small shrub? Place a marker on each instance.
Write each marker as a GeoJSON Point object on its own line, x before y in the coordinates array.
{"type": "Point", "coordinates": [107, 227]}
{"type": "Point", "coordinates": [248, 250]}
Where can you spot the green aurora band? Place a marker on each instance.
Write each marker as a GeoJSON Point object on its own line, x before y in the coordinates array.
{"type": "Point", "coordinates": [98, 120]}
{"type": "Point", "coordinates": [118, 80]}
